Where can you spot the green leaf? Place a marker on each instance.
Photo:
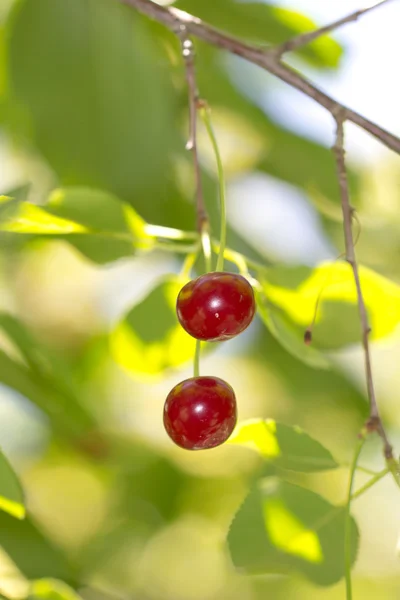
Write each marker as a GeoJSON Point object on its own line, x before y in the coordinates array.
{"type": "Point", "coordinates": [51, 589]}
{"type": "Point", "coordinates": [34, 555]}
{"type": "Point", "coordinates": [96, 223]}
{"type": "Point", "coordinates": [287, 447]}
{"type": "Point", "coordinates": [11, 494]}
{"type": "Point", "coordinates": [149, 339]}
{"type": "Point", "coordinates": [97, 96]}
{"type": "Point", "coordinates": [289, 296]}
{"type": "Point", "coordinates": [283, 528]}
{"type": "Point", "coordinates": [261, 23]}
{"type": "Point", "coordinates": [287, 335]}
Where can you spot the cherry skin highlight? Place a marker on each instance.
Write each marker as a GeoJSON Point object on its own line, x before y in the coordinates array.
{"type": "Point", "coordinates": [200, 413]}
{"type": "Point", "coordinates": [216, 306]}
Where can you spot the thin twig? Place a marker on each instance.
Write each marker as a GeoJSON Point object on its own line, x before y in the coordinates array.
{"type": "Point", "coordinates": [374, 422]}
{"type": "Point", "coordinates": [306, 38]}
{"type": "Point", "coordinates": [377, 477]}
{"type": "Point", "coordinates": [174, 18]}
{"type": "Point", "coordinates": [188, 55]}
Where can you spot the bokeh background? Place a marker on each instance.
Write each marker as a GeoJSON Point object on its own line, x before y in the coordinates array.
{"type": "Point", "coordinates": [93, 95]}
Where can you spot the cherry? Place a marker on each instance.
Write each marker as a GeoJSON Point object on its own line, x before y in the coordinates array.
{"type": "Point", "coordinates": [200, 413]}
{"type": "Point", "coordinates": [216, 306]}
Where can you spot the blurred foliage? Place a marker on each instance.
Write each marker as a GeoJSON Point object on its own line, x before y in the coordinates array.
{"type": "Point", "coordinates": [94, 111]}
{"type": "Point", "coordinates": [51, 589]}
{"type": "Point", "coordinates": [11, 496]}
{"type": "Point", "coordinates": [262, 23]}
{"type": "Point", "coordinates": [32, 552]}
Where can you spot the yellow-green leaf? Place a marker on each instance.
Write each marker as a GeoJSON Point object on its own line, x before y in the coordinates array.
{"type": "Point", "coordinates": [287, 447]}
{"type": "Point", "coordinates": [51, 589]}
{"type": "Point", "coordinates": [149, 338]}
{"type": "Point", "coordinates": [287, 334]}
{"type": "Point", "coordinates": [289, 296]}
{"type": "Point", "coordinates": [33, 219]}
{"type": "Point", "coordinates": [96, 223]}
{"type": "Point", "coordinates": [11, 494]}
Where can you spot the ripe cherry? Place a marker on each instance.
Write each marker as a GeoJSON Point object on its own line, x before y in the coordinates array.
{"type": "Point", "coordinates": [216, 306]}
{"type": "Point", "coordinates": [200, 413]}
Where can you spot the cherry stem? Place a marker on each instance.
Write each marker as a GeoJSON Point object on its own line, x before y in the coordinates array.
{"type": "Point", "coordinates": [169, 233]}
{"type": "Point", "coordinates": [188, 263]}
{"type": "Point", "coordinates": [347, 526]}
{"type": "Point", "coordinates": [177, 248]}
{"type": "Point", "coordinates": [205, 114]}
{"type": "Point", "coordinates": [206, 246]}
{"type": "Point", "coordinates": [244, 263]}
{"type": "Point", "coordinates": [196, 362]}
{"type": "Point", "coordinates": [237, 259]}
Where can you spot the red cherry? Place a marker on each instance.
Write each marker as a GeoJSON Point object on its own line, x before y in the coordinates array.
{"type": "Point", "coordinates": [200, 413]}
{"type": "Point", "coordinates": [216, 306]}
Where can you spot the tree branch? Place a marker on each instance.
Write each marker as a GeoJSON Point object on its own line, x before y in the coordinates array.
{"type": "Point", "coordinates": [306, 38]}
{"type": "Point", "coordinates": [174, 19]}
{"type": "Point", "coordinates": [374, 422]}
{"type": "Point", "coordinates": [185, 24]}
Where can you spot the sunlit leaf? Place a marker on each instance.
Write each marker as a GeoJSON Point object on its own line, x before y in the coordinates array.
{"type": "Point", "coordinates": [33, 219]}
{"type": "Point", "coordinates": [149, 339]}
{"type": "Point", "coordinates": [259, 22]}
{"type": "Point", "coordinates": [323, 51]}
{"type": "Point", "coordinates": [96, 223]}
{"type": "Point", "coordinates": [95, 210]}
{"type": "Point", "coordinates": [289, 295]}
{"type": "Point", "coordinates": [287, 447]}
{"type": "Point", "coordinates": [51, 589]}
{"type": "Point", "coordinates": [282, 527]}
{"type": "Point", "coordinates": [287, 335]}
{"type": "Point", "coordinates": [31, 551]}
{"type": "Point", "coordinates": [11, 495]}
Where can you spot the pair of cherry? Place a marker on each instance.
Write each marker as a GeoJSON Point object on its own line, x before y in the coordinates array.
{"type": "Point", "coordinates": [201, 412]}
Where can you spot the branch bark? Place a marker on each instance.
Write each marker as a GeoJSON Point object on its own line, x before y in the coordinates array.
{"type": "Point", "coordinates": [374, 422]}
{"type": "Point", "coordinates": [174, 19]}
